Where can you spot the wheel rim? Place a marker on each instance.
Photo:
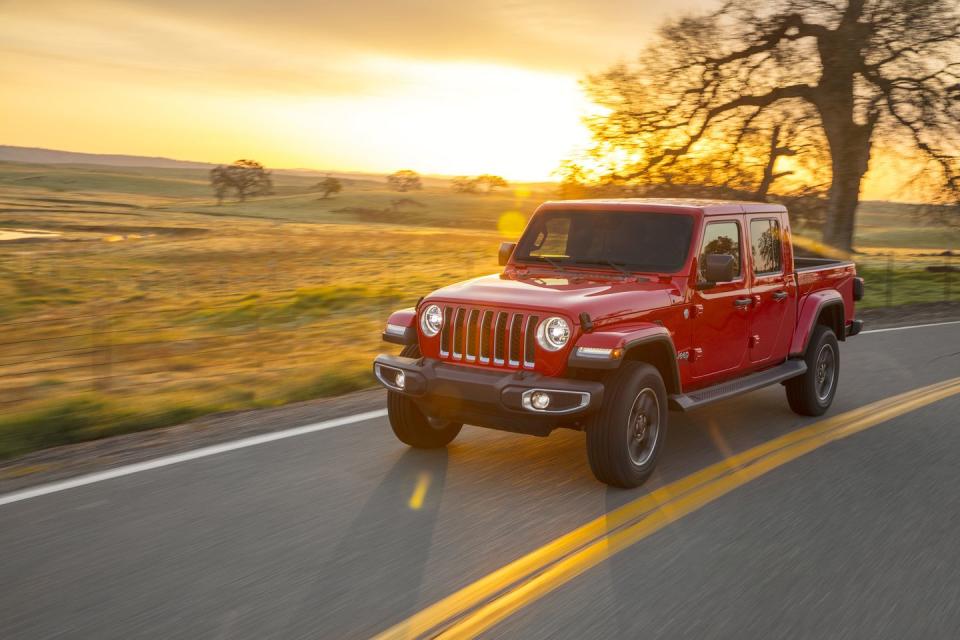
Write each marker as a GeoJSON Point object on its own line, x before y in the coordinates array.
{"type": "Point", "coordinates": [643, 427]}
{"type": "Point", "coordinates": [825, 371]}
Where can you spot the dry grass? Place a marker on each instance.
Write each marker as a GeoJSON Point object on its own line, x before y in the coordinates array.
{"type": "Point", "coordinates": [137, 316]}
{"type": "Point", "coordinates": [152, 305]}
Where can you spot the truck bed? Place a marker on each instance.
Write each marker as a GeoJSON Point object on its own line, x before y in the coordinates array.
{"type": "Point", "coordinates": [817, 274]}
{"type": "Point", "coordinates": [809, 264]}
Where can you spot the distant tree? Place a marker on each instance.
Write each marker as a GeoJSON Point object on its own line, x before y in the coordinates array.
{"type": "Point", "coordinates": [244, 177]}
{"type": "Point", "coordinates": [573, 180]}
{"type": "Point", "coordinates": [221, 183]}
{"type": "Point", "coordinates": [404, 180]}
{"type": "Point", "coordinates": [464, 184]}
{"type": "Point", "coordinates": [491, 182]}
{"type": "Point", "coordinates": [329, 186]}
{"type": "Point", "coordinates": [488, 182]}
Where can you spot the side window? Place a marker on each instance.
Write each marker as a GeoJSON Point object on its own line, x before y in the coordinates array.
{"type": "Point", "coordinates": [765, 245]}
{"type": "Point", "coordinates": [721, 238]}
{"type": "Point", "coordinates": [551, 240]}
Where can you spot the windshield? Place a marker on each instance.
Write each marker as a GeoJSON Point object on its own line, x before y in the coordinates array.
{"type": "Point", "coordinates": [625, 240]}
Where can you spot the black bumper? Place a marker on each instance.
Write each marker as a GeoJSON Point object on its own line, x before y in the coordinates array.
{"type": "Point", "coordinates": [854, 328]}
{"type": "Point", "coordinates": [489, 398]}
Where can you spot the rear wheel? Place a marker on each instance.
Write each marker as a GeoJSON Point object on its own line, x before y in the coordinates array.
{"type": "Point", "coordinates": [625, 438]}
{"type": "Point", "coordinates": [411, 426]}
{"type": "Point", "coordinates": [812, 393]}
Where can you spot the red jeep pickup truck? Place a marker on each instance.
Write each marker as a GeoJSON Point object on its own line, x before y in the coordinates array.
{"type": "Point", "coordinates": [610, 312]}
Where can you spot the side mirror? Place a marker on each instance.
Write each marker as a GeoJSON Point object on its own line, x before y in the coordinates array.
{"type": "Point", "coordinates": [506, 250]}
{"type": "Point", "coordinates": [718, 267]}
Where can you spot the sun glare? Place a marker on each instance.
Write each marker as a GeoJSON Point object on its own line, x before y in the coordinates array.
{"type": "Point", "coordinates": [438, 118]}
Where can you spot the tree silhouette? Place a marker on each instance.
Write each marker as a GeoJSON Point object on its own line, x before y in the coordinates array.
{"type": "Point", "coordinates": [769, 251]}
{"type": "Point", "coordinates": [464, 184]}
{"type": "Point", "coordinates": [404, 180]}
{"type": "Point", "coordinates": [245, 177]}
{"type": "Point", "coordinates": [329, 186]}
{"type": "Point", "coordinates": [491, 182]}
{"type": "Point", "coordinates": [715, 91]}
{"type": "Point", "coordinates": [487, 181]}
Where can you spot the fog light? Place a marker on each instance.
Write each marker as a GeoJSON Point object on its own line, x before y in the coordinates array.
{"type": "Point", "coordinates": [400, 379]}
{"type": "Point", "coordinates": [539, 400]}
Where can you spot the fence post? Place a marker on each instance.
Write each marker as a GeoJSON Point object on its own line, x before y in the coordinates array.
{"type": "Point", "coordinates": [258, 305]}
{"type": "Point", "coordinates": [948, 276]}
{"type": "Point", "coordinates": [103, 350]}
{"type": "Point", "coordinates": [890, 280]}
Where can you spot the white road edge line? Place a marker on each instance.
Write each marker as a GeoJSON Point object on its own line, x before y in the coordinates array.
{"type": "Point", "coordinates": [176, 458]}
{"type": "Point", "coordinates": [914, 326]}
{"type": "Point", "coordinates": [203, 452]}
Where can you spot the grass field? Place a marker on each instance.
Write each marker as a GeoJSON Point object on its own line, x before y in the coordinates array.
{"type": "Point", "coordinates": [130, 300]}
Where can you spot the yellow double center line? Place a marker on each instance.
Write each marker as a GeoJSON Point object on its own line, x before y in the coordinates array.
{"type": "Point", "coordinates": [484, 603]}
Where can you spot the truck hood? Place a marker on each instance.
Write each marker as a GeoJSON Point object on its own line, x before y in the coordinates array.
{"type": "Point", "coordinates": [567, 294]}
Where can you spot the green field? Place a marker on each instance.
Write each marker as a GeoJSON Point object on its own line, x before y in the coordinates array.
{"type": "Point", "coordinates": [131, 300]}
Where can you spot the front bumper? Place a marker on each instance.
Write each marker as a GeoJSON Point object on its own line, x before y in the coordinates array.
{"type": "Point", "coordinates": [489, 398]}
{"type": "Point", "coordinates": [853, 328]}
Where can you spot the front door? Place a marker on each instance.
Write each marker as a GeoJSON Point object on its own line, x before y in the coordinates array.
{"type": "Point", "coordinates": [722, 317]}
{"type": "Point", "coordinates": [773, 291]}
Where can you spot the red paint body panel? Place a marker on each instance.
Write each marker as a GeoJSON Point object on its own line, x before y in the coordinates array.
{"type": "Point", "coordinates": [715, 337]}
{"type": "Point", "coordinates": [621, 336]}
{"type": "Point", "coordinates": [403, 317]}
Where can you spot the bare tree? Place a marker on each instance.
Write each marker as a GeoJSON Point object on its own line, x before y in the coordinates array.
{"type": "Point", "coordinates": [245, 177]}
{"type": "Point", "coordinates": [329, 186]}
{"type": "Point", "coordinates": [404, 180]}
{"type": "Point", "coordinates": [844, 75]}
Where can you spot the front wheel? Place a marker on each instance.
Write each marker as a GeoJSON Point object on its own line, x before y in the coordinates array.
{"type": "Point", "coordinates": [812, 393]}
{"type": "Point", "coordinates": [626, 436]}
{"type": "Point", "coordinates": [411, 426]}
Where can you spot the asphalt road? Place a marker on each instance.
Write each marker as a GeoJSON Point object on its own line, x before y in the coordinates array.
{"type": "Point", "coordinates": [344, 532]}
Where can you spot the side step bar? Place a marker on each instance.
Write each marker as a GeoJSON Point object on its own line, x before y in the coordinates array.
{"type": "Point", "coordinates": [731, 388]}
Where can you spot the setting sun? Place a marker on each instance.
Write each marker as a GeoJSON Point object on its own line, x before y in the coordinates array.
{"type": "Point", "coordinates": [371, 88]}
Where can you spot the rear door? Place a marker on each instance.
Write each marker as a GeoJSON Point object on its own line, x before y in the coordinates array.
{"type": "Point", "coordinates": [773, 291]}
{"type": "Point", "coordinates": [723, 311]}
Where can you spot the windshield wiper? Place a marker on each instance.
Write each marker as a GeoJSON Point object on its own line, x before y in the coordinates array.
{"type": "Point", "coordinates": [553, 263]}
{"type": "Point", "coordinates": [616, 265]}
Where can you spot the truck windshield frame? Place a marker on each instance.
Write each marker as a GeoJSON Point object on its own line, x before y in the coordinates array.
{"type": "Point", "coordinates": [627, 241]}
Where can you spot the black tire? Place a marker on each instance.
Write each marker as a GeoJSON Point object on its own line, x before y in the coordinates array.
{"type": "Point", "coordinates": [411, 426]}
{"type": "Point", "coordinates": [812, 393]}
{"type": "Point", "coordinates": [625, 438]}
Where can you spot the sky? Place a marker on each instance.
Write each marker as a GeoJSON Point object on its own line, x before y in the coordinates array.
{"type": "Point", "coordinates": [489, 86]}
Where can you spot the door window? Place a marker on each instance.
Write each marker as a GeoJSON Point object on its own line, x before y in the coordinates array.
{"type": "Point", "coordinates": [721, 238]}
{"type": "Point", "coordinates": [765, 245]}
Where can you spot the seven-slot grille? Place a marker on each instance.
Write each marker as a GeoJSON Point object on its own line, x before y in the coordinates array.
{"type": "Point", "coordinates": [486, 336]}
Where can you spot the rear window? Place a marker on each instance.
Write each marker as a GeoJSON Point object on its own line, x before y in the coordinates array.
{"type": "Point", "coordinates": [765, 245]}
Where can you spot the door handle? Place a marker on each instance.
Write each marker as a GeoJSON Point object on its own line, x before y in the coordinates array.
{"type": "Point", "coordinates": [742, 303]}
{"type": "Point", "coordinates": [780, 295]}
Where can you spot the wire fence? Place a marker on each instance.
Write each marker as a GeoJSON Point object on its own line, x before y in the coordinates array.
{"type": "Point", "coordinates": [896, 279]}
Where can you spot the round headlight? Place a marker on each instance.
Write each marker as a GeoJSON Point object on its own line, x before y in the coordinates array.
{"type": "Point", "coordinates": [431, 319]}
{"type": "Point", "coordinates": [553, 333]}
